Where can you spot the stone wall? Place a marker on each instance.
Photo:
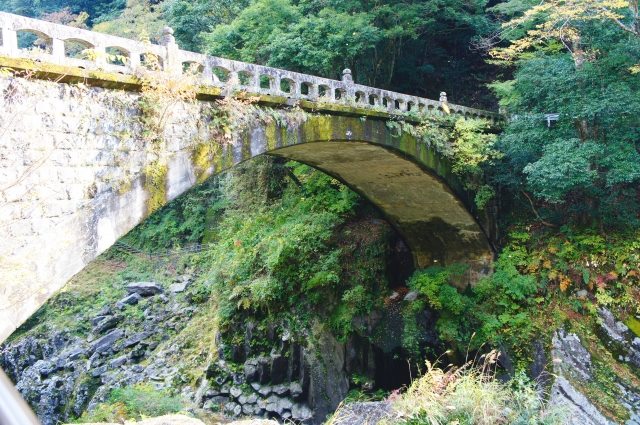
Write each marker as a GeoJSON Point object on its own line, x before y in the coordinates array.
{"type": "Point", "coordinates": [71, 171]}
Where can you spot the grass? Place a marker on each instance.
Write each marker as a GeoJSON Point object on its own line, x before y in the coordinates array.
{"type": "Point", "coordinates": [469, 395]}
{"type": "Point", "coordinates": [134, 402]}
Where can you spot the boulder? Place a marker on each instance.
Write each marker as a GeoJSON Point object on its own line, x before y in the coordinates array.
{"type": "Point", "coordinates": [107, 342]}
{"type": "Point", "coordinates": [265, 390]}
{"type": "Point", "coordinates": [235, 392]}
{"type": "Point", "coordinates": [99, 371]}
{"type": "Point", "coordinates": [284, 404]}
{"type": "Point", "coordinates": [118, 361]}
{"type": "Point", "coordinates": [248, 410]}
{"type": "Point", "coordinates": [361, 413]}
{"type": "Point", "coordinates": [73, 353]}
{"type": "Point", "coordinates": [281, 390]}
{"type": "Point", "coordinates": [97, 319]}
{"type": "Point", "coordinates": [44, 367]}
{"type": "Point", "coordinates": [106, 323]}
{"type": "Point", "coordinates": [179, 287]}
{"type": "Point", "coordinates": [295, 389]}
{"type": "Point", "coordinates": [411, 296]}
{"type": "Point", "coordinates": [251, 372]}
{"type": "Point", "coordinates": [231, 407]}
{"type": "Point", "coordinates": [131, 299]}
{"type": "Point", "coordinates": [135, 339]}
{"type": "Point", "coordinates": [144, 289]}
{"type": "Point", "coordinates": [301, 412]}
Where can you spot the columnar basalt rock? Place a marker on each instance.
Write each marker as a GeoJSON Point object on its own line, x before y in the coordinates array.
{"type": "Point", "coordinates": [77, 169]}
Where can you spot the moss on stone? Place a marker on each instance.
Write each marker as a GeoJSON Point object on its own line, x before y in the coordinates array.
{"type": "Point", "coordinates": [203, 158]}
{"type": "Point", "coordinates": [156, 185]}
{"type": "Point", "coordinates": [634, 325]}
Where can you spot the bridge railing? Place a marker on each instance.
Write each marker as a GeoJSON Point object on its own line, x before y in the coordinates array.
{"type": "Point", "coordinates": [64, 45]}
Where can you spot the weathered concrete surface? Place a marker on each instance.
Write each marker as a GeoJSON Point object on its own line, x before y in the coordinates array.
{"type": "Point", "coordinates": [76, 173]}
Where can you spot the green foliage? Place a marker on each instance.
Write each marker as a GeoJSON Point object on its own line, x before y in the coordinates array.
{"type": "Point", "coordinates": [190, 19]}
{"type": "Point", "coordinates": [181, 222]}
{"type": "Point", "coordinates": [247, 37]}
{"type": "Point", "coordinates": [469, 145]}
{"type": "Point", "coordinates": [494, 311]}
{"type": "Point", "coordinates": [96, 9]}
{"type": "Point", "coordinates": [585, 168]}
{"type": "Point", "coordinates": [385, 45]}
{"type": "Point", "coordinates": [134, 402]}
{"type": "Point", "coordinates": [282, 247]}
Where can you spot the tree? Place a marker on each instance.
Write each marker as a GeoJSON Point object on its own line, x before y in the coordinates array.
{"type": "Point", "coordinates": [414, 46]}
{"type": "Point", "coordinates": [586, 167]}
{"type": "Point", "coordinates": [96, 9]}
{"type": "Point", "coordinates": [248, 36]}
{"type": "Point", "coordinates": [190, 19]}
{"type": "Point", "coordinates": [563, 20]}
{"type": "Point", "coordinates": [140, 19]}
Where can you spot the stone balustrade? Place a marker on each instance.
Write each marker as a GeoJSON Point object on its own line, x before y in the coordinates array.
{"type": "Point", "coordinates": [64, 45]}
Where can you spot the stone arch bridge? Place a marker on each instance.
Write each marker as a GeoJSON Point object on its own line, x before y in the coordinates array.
{"type": "Point", "coordinates": [78, 169]}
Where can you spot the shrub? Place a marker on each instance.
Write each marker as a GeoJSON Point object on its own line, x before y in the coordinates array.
{"type": "Point", "coordinates": [134, 402]}
{"type": "Point", "coordinates": [472, 395]}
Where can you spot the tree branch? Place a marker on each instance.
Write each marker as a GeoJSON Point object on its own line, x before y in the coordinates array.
{"type": "Point", "coordinates": [546, 223]}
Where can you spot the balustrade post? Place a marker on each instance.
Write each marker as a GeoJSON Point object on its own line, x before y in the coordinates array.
{"type": "Point", "coordinates": [443, 102]}
{"type": "Point", "coordinates": [347, 79]}
{"type": "Point", "coordinates": [207, 73]}
{"type": "Point", "coordinates": [172, 63]}
{"type": "Point", "coordinates": [134, 60]}
{"type": "Point", "coordinates": [9, 40]}
{"type": "Point", "coordinates": [313, 92]}
{"type": "Point", "coordinates": [276, 85]}
{"type": "Point", "coordinates": [100, 54]}
{"type": "Point", "coordinates": [57, 50]}
{"type": "Point", "coordinates": [331, 94]}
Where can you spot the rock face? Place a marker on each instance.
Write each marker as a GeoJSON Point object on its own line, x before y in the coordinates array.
{"type": "Point", "coordinates": [580, 410]}
{"type": "Point", "coordinates": [569, 356]}
{"type": "Point", "coordinates": [572, 362]}
{"type": "Point", "coordinates": [619, 338]}
{"type": "Point", "coordinates": [62, 375]}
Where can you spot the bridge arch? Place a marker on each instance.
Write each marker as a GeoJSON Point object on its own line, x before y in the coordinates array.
{"type": "Point", "coordinates": [410, 182]}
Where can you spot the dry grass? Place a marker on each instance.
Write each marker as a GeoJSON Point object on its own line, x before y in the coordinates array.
{"type": "Point", "coordinates": [471, 394]}
{"type": "Point", "coordinates": [468, 395]}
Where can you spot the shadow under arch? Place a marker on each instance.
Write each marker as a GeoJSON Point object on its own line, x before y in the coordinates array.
{"type": "Point", "coordinates": [408, 181]}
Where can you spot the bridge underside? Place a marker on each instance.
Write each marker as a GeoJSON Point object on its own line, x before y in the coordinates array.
{"type": "Point", "coordinates": [434, 222]}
